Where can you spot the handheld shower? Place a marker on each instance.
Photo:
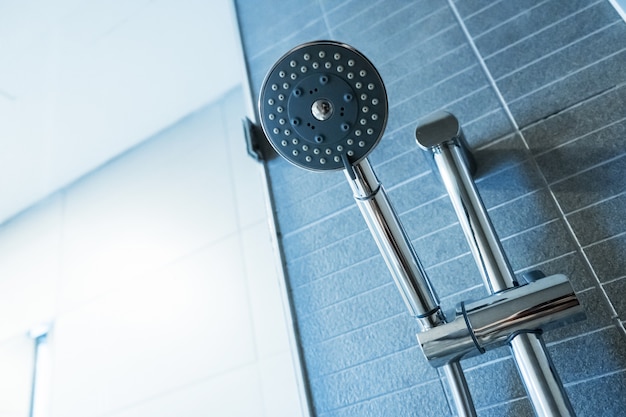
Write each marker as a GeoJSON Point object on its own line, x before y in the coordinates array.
{"type": "Point", "coordinates": [323, 106]}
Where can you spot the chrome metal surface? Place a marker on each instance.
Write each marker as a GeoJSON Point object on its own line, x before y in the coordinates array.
{"type": "Point", "coordinates": [484, 243]}
{"type": "Point", "coordinates": [497, 274]}
{"type": "Point", "coordinates": [394, 245]}
{"type": "Point", "coordinates": [543, 384]}
{"type": "Point", "coordinates": [322, 109]}
{"type": "Point", "coordinates": [459, 390]}
{"type": "Point", "coordinates": [405, 267]}
{"type": "Point", "coordinates": [543, 305]}
{"type": "Point", "coordinates": [491, 322]}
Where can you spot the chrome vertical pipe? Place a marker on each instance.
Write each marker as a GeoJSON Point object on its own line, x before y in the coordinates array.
{"type": "Point", "coordinates": [484, 243]}
{"type": "Point", "coordinates": [441, 134]}
{"type": "Point", "coordinates": [543, 384]}
{"type": "Point", "coordinates": [391, 239]}
{"type": "Point", "coordinates": [405, 267]}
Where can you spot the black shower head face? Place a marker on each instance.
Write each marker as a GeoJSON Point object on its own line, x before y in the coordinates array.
{"type": "Point", "coordinates": [323, 105]}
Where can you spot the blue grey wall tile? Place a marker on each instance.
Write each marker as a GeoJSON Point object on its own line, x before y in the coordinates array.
{"type": "Point", "coordinates": [508, 184]}
{"type": "Point", "coordinates": [420, 54]}
{"type": "Point", "coordinates": [404, 38]}
{"type": "Point", "coordinates": [498, 155]}
{"type": "Point", "coordinates": [402, 168]}
{"type": "Point", "coordinates": [458, 274]}
{"type": "Point", "coordinates": [363, 18]}
{"type": "Point", "coordinates": [337, 14]}
{"type": "Point", "coordinates": [336, 227]}
{"type": "Point", "coordinates": [351, 314]}
{"type": "Point", "coordinates": [401, 16]}
{"type": "Point", "coordinates": [337, 256]}
{"type": "Point", "coordinates": [608, 258]}
{"type": "Point", "coordinates": [572, 265]}
{"type": "Point", "coordinates": [444, 244]}
{"type": "Point", "coordinates": [428, 218]}
{"type": "Point", "coordinates": [564, 62]}
{"type": "Point", "coordinates": [367, 381]}
{"type": "Point", "coordinates": [615, 291]}
{"type": "Point", "coordinates": [578, 121]}
{"type": "Point", "coordinates": [439, 96]}
{"type": "Point", "coordinates": [426, 76]}
{"type": "Point", "coordinates": [313, 207]}
{"type": "Point", "coordinates": [543, 21]}
{"type": "Point", "coordinates": [481, 103]}
{"type": "Point", "coordinates": [559, 70]}
{"type": "Point", "coordinates": [599, 397]}
{"type": "Point", "coordinates": [538, 244]}
{"type": "Point", "coordinates": [299, 184]}
{"type": "Point", "coordinates": [294, 16]}
{"type": "Point", "coordinates": [514, 13]}
{"type": "Point", "coordinates": [486, 128]}
{"type": "Point", "coordinates": [586, 152]}
{"type": "Point", "coordinates": [523, 213]}
{"type": "Point", "coordinates": [515, 408]}
{"type": "Point", "coordinates": [393, 144]}
{"type": "Point", "coordinates": [579, 358]}
{"type": "Point", "coordinates": [467, 8]}
{"type": "Point", "coordinates": [594, 185]}
{"type": "Point", "coordinates": [568, 91]}
{"type": "Point", "coordinates": [600, 221]}
{"type": "Point", "coordinates": [495, 382]}
{"type": "Point", "coordinates": [424, 400]}
{"type": "Point", "coordinates": [340, 285]}
{"type": "Point", "coordinates": [365, 344]}
{"type": "Point", "coordinates": [415, 192]}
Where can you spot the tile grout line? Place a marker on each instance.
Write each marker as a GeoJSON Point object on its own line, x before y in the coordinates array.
{"type": "Point", "coordinates": [566, 76]}
{"type": "Point", "coordinates": [545, 28]}
{"type": "Point", "coordinates": [504, 22]}
{"type": "Point", "coordinates": [482, 9]}
{"type": "Point", "coordinates": [605, 239]}
{"type": "Point", "coordinates": [331, 411]}
{"type": "Point", "coordinates": [594, 204]}
{"type": "Point", "coordinates": [582, 171]}
{"type": "Point", "coordinates": [507, 110]}
{"type": "Point", "coordinates": [577, 138]}
{"type": "Point", "coordinates": [551, 53]}
{"type": "Point", "coordinates": [306, 315]}
{"type": "Point", "coordinates": [325, 18]}
{"type": "Point", "coordinates": [582, 381]}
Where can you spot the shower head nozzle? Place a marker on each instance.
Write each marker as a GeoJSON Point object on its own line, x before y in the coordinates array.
{"type": "Point", "coordinates": [323, 104]}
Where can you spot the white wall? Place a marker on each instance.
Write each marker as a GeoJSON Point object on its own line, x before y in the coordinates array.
{"type": "Point", "coordinates": [158, 274]}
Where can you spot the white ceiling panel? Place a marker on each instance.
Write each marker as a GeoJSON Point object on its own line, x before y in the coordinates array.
{"type": "Point", "coordinates": [83, 81]}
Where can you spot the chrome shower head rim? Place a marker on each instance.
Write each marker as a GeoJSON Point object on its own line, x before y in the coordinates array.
{"type": "Point", "coordinates": [323, 105]}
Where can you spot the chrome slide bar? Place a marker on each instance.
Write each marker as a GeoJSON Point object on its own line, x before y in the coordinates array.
{"type": "Point", "coordinates": [552, 301]}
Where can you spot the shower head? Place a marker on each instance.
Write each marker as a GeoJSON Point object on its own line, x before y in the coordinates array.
{"type": "Point", "coordinates": [323, 106]}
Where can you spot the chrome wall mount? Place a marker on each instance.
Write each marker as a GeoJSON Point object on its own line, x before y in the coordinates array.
{"type": "Point", "coordinates": [512, 314]}
{"type": "Point", "coordinates": [323, 106]}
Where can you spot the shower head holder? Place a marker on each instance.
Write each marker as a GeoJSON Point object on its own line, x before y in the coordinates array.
{"type": "Point", "coordinates": [323, 106]}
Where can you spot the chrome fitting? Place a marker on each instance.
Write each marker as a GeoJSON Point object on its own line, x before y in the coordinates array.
{"type": "Point", "coordinates": [492, 321]}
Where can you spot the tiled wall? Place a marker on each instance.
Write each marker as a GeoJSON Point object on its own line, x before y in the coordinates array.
{"type": "Point", "coordinates": [539, 87]}
{"type": "Point", "coordinates": [158, 275]}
